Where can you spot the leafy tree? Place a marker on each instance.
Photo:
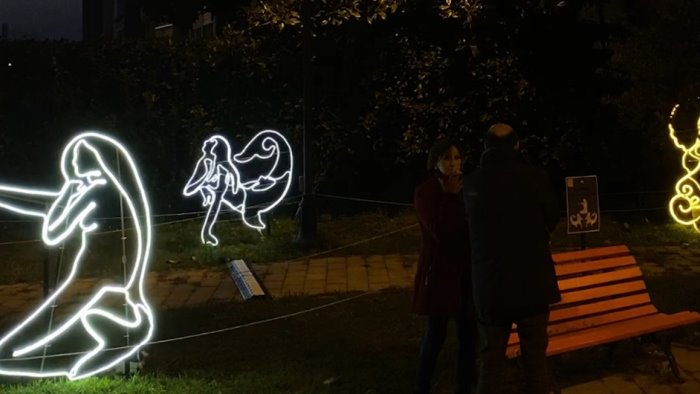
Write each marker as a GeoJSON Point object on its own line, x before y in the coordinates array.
{"type": "Point", "coordinates": [659, 57]}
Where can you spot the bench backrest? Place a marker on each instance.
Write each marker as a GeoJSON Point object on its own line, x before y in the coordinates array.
{"type": "Point", "coordinates": [598, 286]}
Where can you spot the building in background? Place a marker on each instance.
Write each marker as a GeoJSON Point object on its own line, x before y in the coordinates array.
{"type": "Point", "coordinates": [125, 19]}
{"type": "Point", "coordinates": [112, 19]}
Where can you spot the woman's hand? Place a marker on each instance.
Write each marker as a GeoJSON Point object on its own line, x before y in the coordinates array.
{"type": "Point", "coordinates": [452, 183]}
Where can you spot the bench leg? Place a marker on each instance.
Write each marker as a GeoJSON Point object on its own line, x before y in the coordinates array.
{"type": "Point", "coordinates": [664, 344]}
{"type": "Point", "coordinates": [553, 384]}
{"type": "Point", "coordinates": [610, 352]}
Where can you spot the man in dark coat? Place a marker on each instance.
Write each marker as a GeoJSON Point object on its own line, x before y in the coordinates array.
{"type": "Point", "coordinates": [511, 211]}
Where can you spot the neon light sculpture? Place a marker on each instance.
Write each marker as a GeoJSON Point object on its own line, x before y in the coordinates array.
{"type": "Point", "coordinates": [685, 205]}
{"type": "Point", "coordinates": [87, 178]}
{"type": "Point", "coordinates": [219, 181]}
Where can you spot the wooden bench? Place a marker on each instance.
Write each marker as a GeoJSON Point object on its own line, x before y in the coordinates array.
{"type": "Point", "coordinates": [604, 300]}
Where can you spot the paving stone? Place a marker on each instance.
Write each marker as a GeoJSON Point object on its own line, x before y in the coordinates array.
{"type": "Point", "coordinates": [273, 277]}
{"type": "Point", "coordinates": [294, 280]}
{"type": "Point", "coordinates": [409, 259]}
{"type": "Point", "coordinates": [225, 291]}
{"type": "Point", "coordinates": [213, 278]}
{"type": "Point", "coordinates": [378, 286]}
{"type": "Point", "coordinates": [337, 270]}
{"type": "Point", "coordinates": [317, 264]}
{"type": "Point", "coordinates": [293, 288]}
{"type": "Point", "coordinates": [375, 261]}
{"type": "Point", "coordinates": [393, 259]}
{"type": "Point", "coordinates": [270, 286]}
{"type": "Point", "coordinates": [14, 305]}
{"type": "Point", "coordinates": [259, 269]}
{"type": "Point", "coordinates": [278, 267]}
{"type": "Point", "coordinates": [314, 284]}
{"type": "Point", "coordinates": [336, 287]}
{"type": "Point", "coordinates": [650, 384]}
{"type": "Point", "coordinates": [595, 386]}
{"type": "Point", "coordinates": [201, 295]}
{"type": "Point", "coordinates": [178, 297]}
{"type": "Point", "coordinates": [377, 275]}
{"type": "Point", "coordinates": [691, 383]}
{"type": "Point", "coordinates": [357, 284]}
{"type": "Point", "coordinates": [621, 385]}
{"type": "Point", "coordinates": [355, 261]}
{"type": "Point", "coordinates": [291, 292]}
{"type": "Point", "coordinates": [400, 279]}
{"type": "Point", "coordinates": [275, 293]}
{"type": "Point", "coordinates": [688, 358]}
{"type": "Point", "coordinates": [162, 290]}
{"type": "Point", "coordinates": [337, 278]}
{"type": "Point", "coordinates": [357, 271]}
{"type": "Point", "coordinates": [297, 267]}
{"type": "Point", "coordinates": [315, 278]}
{"type": "Point", "coordinates": [336, 263]}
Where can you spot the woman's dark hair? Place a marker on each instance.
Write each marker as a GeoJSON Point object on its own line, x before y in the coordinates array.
{"type": "Point", "coordinates": [438, 150]}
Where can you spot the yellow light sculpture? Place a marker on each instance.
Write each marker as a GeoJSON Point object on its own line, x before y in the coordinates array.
{"type": "Point", "coordinates": [685, 205]}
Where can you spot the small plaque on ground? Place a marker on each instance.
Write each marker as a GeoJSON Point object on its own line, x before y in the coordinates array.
{"type": "Point", "coordinates": [245, 280]}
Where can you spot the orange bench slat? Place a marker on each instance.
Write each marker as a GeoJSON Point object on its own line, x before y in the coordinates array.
{"type": "Point", "coordinates": [594, 321]}
{"type": "Point", "coordinates": [613, 332]}
{"type": "Point", "coordinates": [601, 292]}
{"type": "Point", "coordinates": [600, 278]}
{"type": "Point", "coordinates": [591, 254]}
{"type": "Point", "coordinates": [580, 311]}
{"type": "Point", "coordinates": [597, 265]}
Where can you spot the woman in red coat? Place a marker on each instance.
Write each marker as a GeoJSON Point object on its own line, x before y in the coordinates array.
{"type": "Point", "coordinates": [442, 288]}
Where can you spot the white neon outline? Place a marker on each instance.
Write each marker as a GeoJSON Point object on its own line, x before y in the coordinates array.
{"type": "Point", "coordinates": [687, 198]}
{"type": "Point", "coordinates": [69, 200]}
{"type": "Point", "coordinates": [206, 179]}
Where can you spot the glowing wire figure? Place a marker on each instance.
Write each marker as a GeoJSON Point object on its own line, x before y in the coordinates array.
{"type": "Point", "coordinates": [87, 179]}
{"type": "Point", "coordinates": [217, 178]}
{"type": "Point", "coordinates": [685, 205]}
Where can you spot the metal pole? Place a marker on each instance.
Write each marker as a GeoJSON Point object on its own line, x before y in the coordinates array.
{"type": "Point", "coordinates": [306, 213]}
{"type": "Point", "coordinates": [47, 268]}
{"type": "Point", "coordinates": [126, 279]}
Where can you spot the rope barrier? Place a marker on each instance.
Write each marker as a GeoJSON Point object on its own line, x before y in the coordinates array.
{"type": "Point", "coordinates": [157, 215]}
{"type": "Point", "coordinates": [352, 244]}
{"type": "Point", "coordinates": [206, 333]}
{"type": "Point", "coordinates": [403, 204]}
{"type": "Point", "coordinates": [198, 214]}
{"type": "Point", "coordinates": [153, 225]}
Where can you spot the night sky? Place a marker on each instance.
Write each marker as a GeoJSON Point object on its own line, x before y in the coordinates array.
{"type": "Point", "coordinates": [41, 19]}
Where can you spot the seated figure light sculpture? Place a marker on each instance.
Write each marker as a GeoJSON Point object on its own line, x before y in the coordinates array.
{"type": "Point", "coordinates": [685, 204]}
{"type": "Point", "coordinates": [261, 171]}
{"type": "Point", "coordinates": [89, 178]}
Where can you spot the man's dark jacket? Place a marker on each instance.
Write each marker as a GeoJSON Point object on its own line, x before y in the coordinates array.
{"type": "Point", "coordinates": [511, 211]}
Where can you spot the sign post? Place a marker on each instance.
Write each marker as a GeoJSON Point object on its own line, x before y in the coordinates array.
{"type": "Point", "coordinates": [582, 208]}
